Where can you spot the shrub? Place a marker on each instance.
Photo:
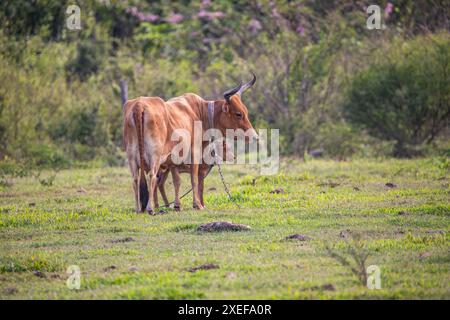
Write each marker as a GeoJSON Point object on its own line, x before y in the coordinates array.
{"type": "Point", "coordinates": [10, 169]}
{"type": "Point", "coordinates": [89, 59]}
{"type": "Point", "coordinates": [44, 156]}
{"type": "Point", "coordinates": [405, 98]}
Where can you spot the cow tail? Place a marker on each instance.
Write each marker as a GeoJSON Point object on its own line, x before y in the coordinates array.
{"type": "Point", "coordinates": [143, 189]}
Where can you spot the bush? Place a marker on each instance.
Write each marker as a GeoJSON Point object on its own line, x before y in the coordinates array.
{"type": "Point", "coordinates": [45, 157]}
{"type": "Point", "coordinates": [10, 169]}
{"type": "Point", "coordinates": [406, 98]}
{"type": "Point", "coordinates": [89, 59]}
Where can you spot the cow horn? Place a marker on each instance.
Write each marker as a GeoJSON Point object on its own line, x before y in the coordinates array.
{"type": "Point", "coordinates": [248, 85]}
{"type": "Point", "coordinates": [227, 94]}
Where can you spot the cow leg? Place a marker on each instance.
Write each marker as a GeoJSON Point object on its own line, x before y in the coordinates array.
{"type": "Point", "coordinates": [135, 176]}
{"type": "Point", "coordinates": [155, 194]}
{"type": "Point", "coordinates": [194, 182]}
{"type": "Point", "coordinates": [161, 186]}
{"type": "Point", "coordinates": [152, 181]}
{"type": "Point", "coordinates": [201, 185]}
{"type": "Point", "coordinates": [161, 179]}
{"type": "Point", "coordinates": [176, 185]}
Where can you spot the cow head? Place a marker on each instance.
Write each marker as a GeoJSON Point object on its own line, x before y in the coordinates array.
{"type": "Point", "coordinates": [234, 114]}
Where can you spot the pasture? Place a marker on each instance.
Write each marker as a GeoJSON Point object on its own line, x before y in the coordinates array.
{"type": "Point", "coordinates": [400, 209]}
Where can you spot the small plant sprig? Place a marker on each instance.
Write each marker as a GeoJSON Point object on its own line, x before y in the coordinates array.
{"type": "Point", "coordinates": [46, 182]}
{"type": "Point", "coordinates": [11, 169]}
{"type": "Point", "coordinates": [353, 257]}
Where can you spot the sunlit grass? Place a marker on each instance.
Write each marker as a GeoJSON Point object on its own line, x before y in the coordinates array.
{"type": "Point", "coordinates": [80, 218]}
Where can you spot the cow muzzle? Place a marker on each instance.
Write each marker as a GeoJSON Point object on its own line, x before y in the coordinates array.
{"type": "Point", "coordinates": [253, 136]}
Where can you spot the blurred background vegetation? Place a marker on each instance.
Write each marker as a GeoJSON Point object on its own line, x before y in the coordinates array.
{"type": "Point", "coordinates": [332, 87]}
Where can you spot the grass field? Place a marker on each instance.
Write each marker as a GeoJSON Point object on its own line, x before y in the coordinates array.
{"type": "Point", "coordinates": [86, 219]}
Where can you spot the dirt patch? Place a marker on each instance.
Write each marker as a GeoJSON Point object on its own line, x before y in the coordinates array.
{"type": "Point", "coordinates": [329, 184]}
{"type": "Point", "coordinates": [5, 210]}
{"type": "Point", "coordinates": [110, 268]}
{"type": "Point", "coordinates": [81, 190]}
{"type": "Point", "coordinates": [39, 274]}
{"type": "Point", "coordinates": [435, 232]}
{"type": "Point", "coordinates": [207, 266]}
{"type": "Point", "coordinates": [277, 191]}
{"type": "Point", "coordinates": [390, 185]}
{"type": "Point", "coordinates": [8, 195]}
{"type": "Point", "coordinates": [222, 226]}
{"type": "Point", "coordinates": [424, 255]}
{"type": "Point", "coordinates": [325, 287]}
{"type": "Point", "coordinates": [10, 291]}
{"type": "Point", "coordinates": [121, 240]}
{"type": "Point", "coordinates": [403, 213]}
{"type": "Point", "coordinates": [299, 237]}
{"type": "Point", "coordinates": [345, 234]}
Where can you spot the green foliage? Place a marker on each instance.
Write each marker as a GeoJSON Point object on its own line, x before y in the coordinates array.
{"type": "Point", "coordinates": [22, 18]}
{"type": "Point", "coordinates": [406, 97]}
{"type": "Point", "coordinates": [59, 88]}
{"type": "Point", "coordinates": [9, 170]}
{"type": "Point", "coordinates": [90, 57]}
{"type": "Point", "coordinates": [80, 126]}
{"type": "Point", "coordinates": [46, 157]}
{"type": "Point", "coordinates": [39, 262]}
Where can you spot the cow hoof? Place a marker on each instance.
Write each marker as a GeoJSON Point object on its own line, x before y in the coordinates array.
{"type": "Point", "coordinates": [200, 207]}
{"type": "Point", "coordinates": [177, 208]}
{"type": "Point", "coordinates": [162, 211]}
{"type": "Point", "coordinates": [150, 212]}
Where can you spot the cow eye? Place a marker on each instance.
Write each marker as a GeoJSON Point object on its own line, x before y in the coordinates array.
{"type": "Point", "coordinates": [238, 114]}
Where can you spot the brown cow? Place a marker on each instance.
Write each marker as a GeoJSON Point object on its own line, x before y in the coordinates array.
{"type": "Point", "coordinates": [149, 123]}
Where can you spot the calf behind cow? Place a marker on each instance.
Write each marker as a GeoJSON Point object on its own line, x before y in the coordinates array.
{"type": "Point", "coordinates": [149, 123]}
{"type": "Point", "coordinates": [203, 171]}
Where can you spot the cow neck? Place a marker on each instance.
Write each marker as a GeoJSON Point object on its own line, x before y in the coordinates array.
{"type": "Point", "coordinates": [212, 106]}
{"type": "Point", "coordinates": [209, 113]}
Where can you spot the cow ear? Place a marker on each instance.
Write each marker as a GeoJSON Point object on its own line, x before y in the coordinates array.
{"type": "Point", "coordinates": [225, 108]}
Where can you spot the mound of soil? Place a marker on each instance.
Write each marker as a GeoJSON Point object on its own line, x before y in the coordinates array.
{"type": "Point", "coordinates": [390, 185]}
{"type": "Point", "coordinates": [207, 266]}
{"type": "Point", "coordinates": [299, 237]}
{"type": "Point", "coordinates": [222, 226]}
{"type": "Point", "coordinates": [120, 240]}
{"type": "Point", "coordinates": [277, 191]}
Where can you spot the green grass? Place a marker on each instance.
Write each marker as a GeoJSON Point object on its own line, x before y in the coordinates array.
{"type": "Point", "coordinates": [84, 216]}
